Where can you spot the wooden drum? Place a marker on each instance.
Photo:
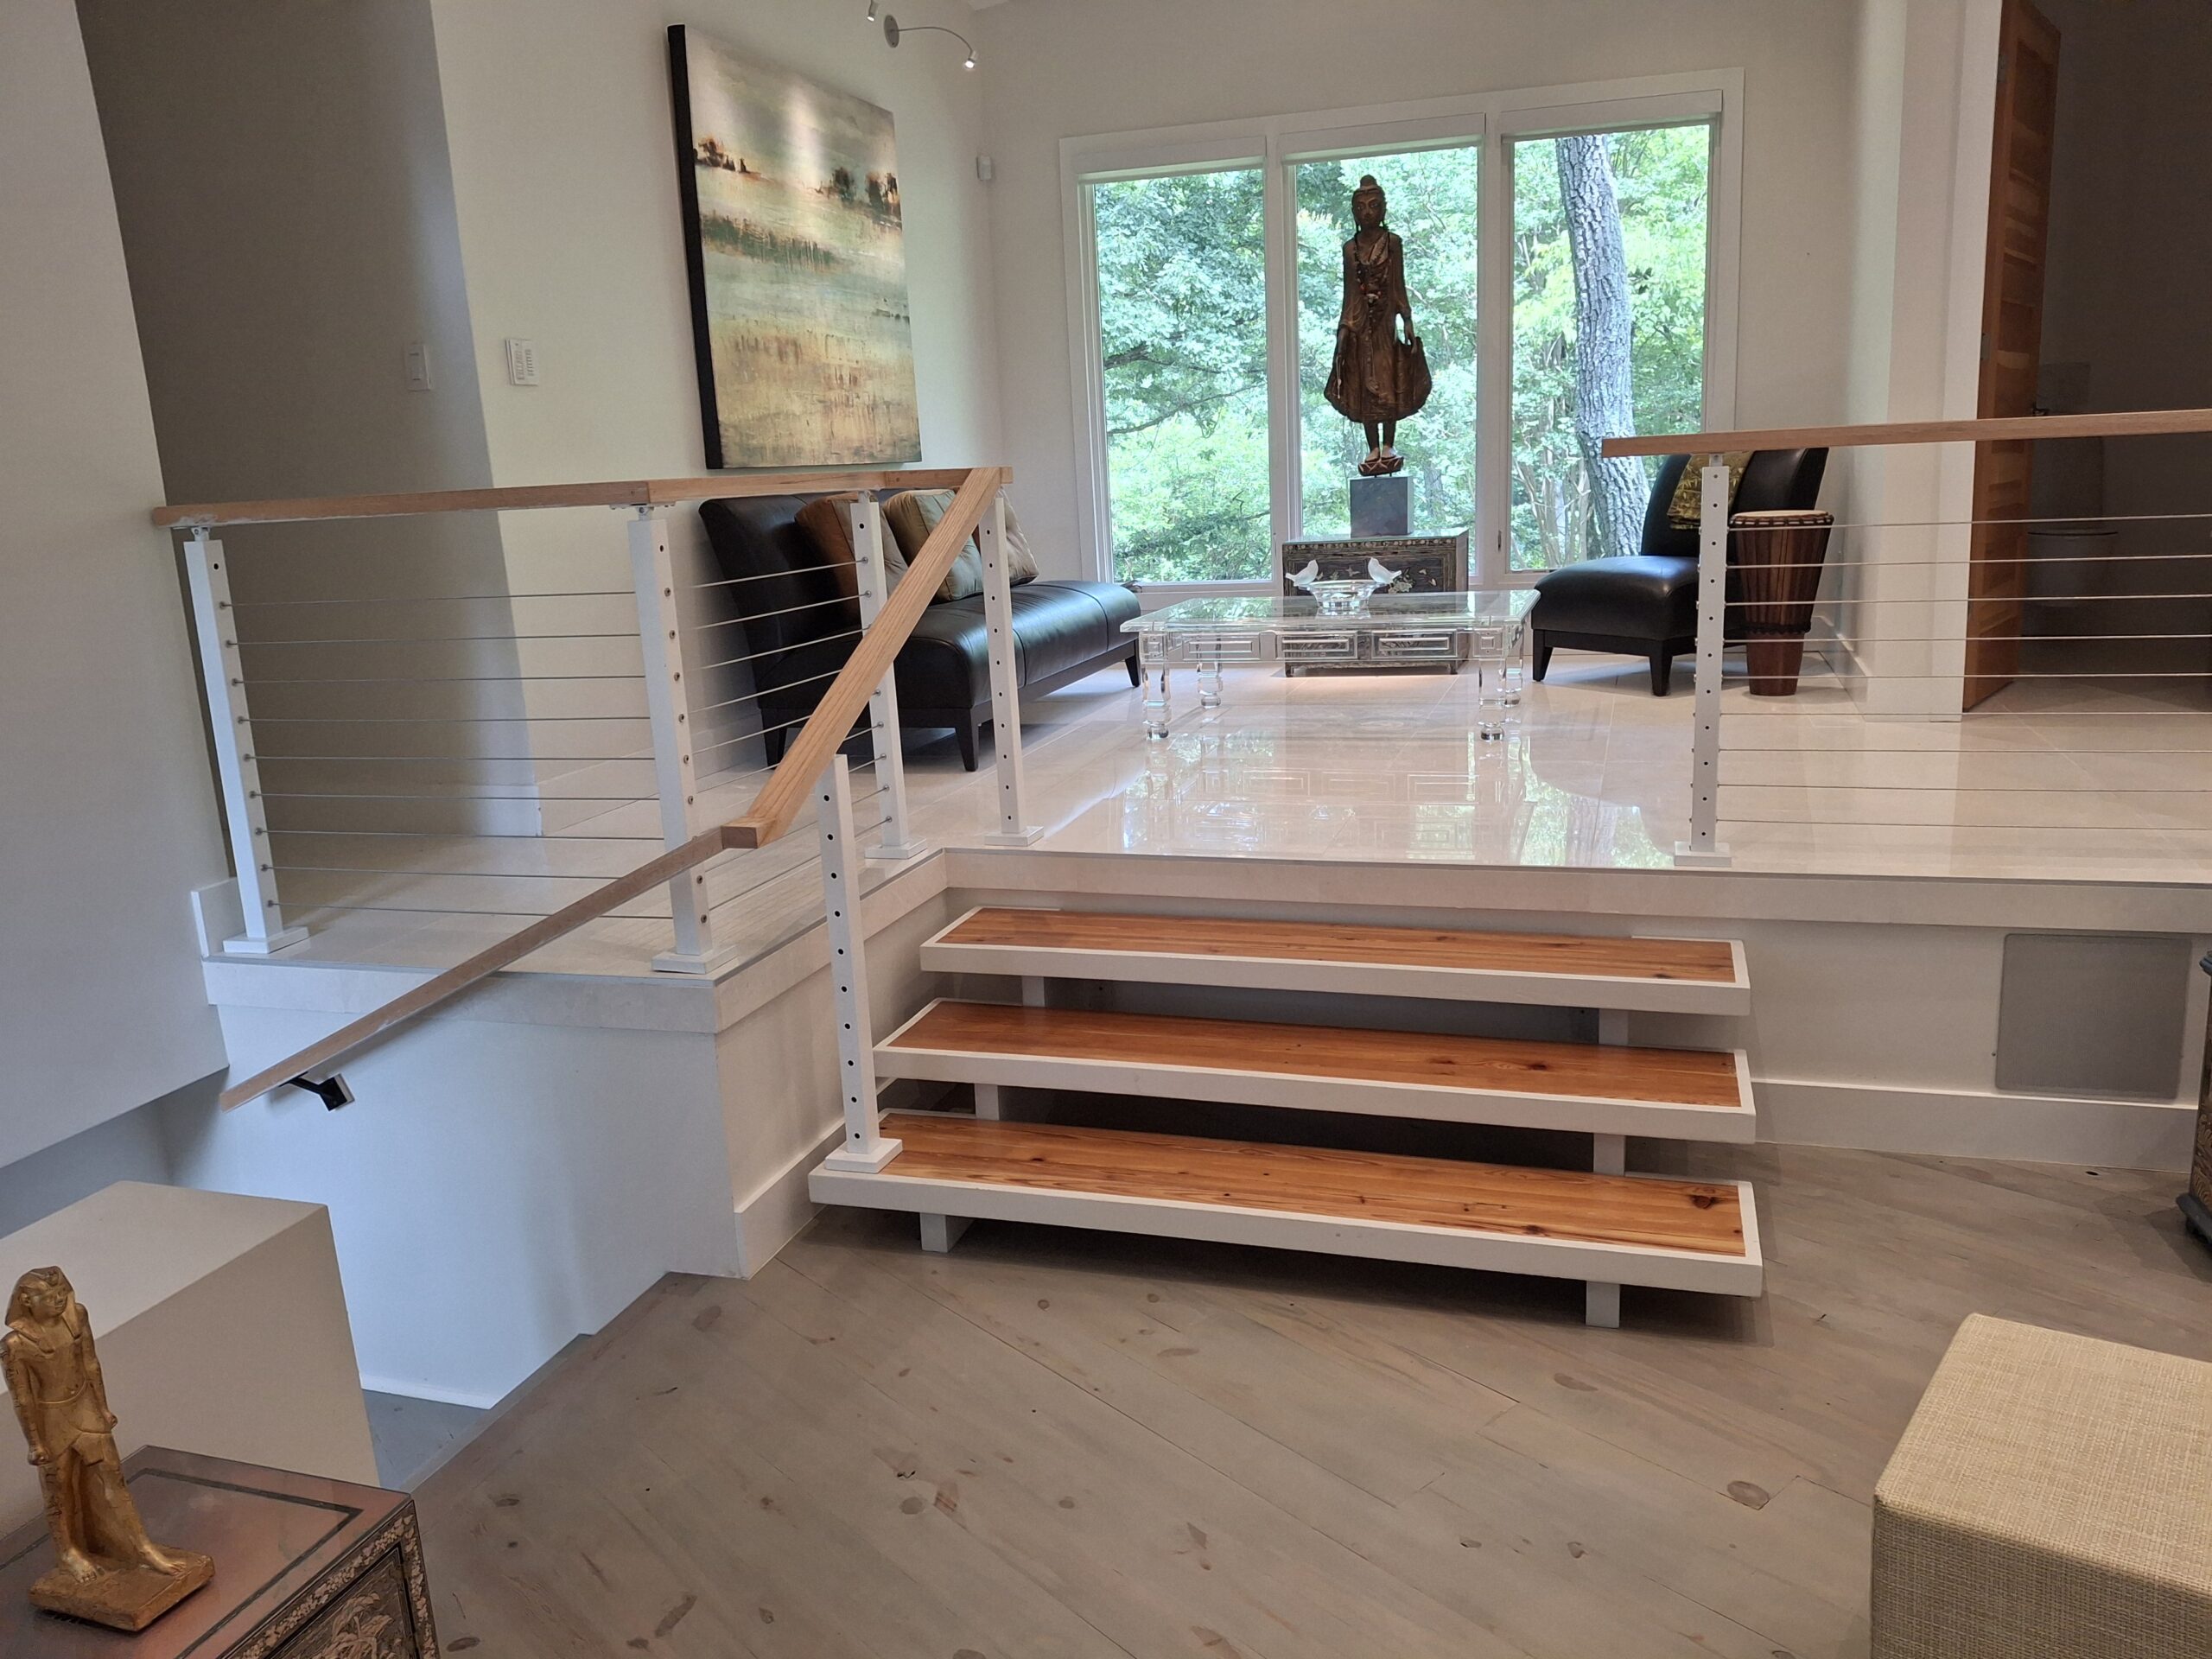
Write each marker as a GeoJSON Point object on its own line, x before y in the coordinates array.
{"type": "Point", "coordinates": [1777, 558]}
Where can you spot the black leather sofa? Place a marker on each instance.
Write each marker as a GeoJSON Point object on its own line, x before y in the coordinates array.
{"type": "Point", "coordinates": [799, 628]}
{"type": "Point", "coordinates": [1645, 604]}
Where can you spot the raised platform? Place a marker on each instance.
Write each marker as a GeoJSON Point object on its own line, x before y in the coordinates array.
{"type": "Point", "coordinates": [1698, 1235]}
{"type": "Point", "coordinates": [1658, 975]}
{"type": "Point", "coordinates": [1697, 1094]}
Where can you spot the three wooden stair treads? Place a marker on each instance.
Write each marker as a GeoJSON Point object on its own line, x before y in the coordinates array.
{"type": "Point", "coordinates": [1691, 1093]}
{"type": "Point", "coordinates": [1690, 975]}
{"type": "Point", "coordinates": [1565, 1224]}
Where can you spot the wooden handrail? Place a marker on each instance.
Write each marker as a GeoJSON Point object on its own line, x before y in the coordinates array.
{"type": "Point", "coordinates": [485, 963]}
{"type": "Point", "coordinates": [773, 808]}
{"type": "Point", "coordinates": [622, 493]}
{"type": "Point", "coordinates": [2147, 423]}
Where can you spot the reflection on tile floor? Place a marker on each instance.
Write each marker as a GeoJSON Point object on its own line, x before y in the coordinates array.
{"type": "Point", "coordinates": [2073, 782]}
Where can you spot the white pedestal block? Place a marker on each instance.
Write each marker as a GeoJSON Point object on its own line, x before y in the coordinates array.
{"type": "Point", "coordinates": [221, 1327]}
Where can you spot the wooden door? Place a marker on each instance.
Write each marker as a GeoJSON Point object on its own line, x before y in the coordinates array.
{"type": "Point", "coordinates": [2011, 341]}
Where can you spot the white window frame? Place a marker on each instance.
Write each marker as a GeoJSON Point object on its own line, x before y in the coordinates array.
{"type": "Point", "coordinates": [1484, 121]}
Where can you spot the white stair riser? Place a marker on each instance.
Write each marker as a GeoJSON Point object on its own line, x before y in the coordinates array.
{"type": "Point", "coordinates": [1330, 1234]}
{"type": "Point", "coordinates": [1345, 978]}
{"type": "Point", "coordinates": [1504, 1108]}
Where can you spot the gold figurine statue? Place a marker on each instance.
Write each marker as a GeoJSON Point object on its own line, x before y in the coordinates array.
{"type": "Point", "coordinates": [1377, 379]}
{"type": "Point", "coordinates": [110, 1571]}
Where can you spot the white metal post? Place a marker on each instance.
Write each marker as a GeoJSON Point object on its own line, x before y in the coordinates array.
{"type": "Point", "coordinates": [864, 1146]}
{"type": "Point", "coordinates": [668, 704]}
{"type": "Point", "coordinates": [216, 623]}
{"type": "Point", "coordinates": [865, 518]}
{"type": "Point", "coordinates": [1701, 848]}
{"type": "Point", "coordinates": [1014, 830]}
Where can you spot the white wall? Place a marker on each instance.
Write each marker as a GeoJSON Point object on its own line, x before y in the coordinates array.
{"type": "Point", "coordinates": [499, 1188]}
{"type": "Point", "coordinates": [1925, 99]}
{"type": "Point", "coordinates": [287, 210]}
{"type": "Point", "coordinates": [1058, 68]}
{"type": "Point", "coordinates": [110, 819]}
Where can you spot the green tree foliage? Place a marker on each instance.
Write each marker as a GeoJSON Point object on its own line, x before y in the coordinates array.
{"type": "Point", "coordinates": [1660, 181]}
{"type": "Point", "coordinates": [1183, 335]}
{"type": "Point", "coordinates": [1182, 288]}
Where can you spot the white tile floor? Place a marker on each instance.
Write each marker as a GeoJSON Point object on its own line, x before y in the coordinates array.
{"type": "Point", "coordinates": [2049, 781]}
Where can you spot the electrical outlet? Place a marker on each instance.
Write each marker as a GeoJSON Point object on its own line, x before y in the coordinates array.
{"type": "Point", "coordinates": [415, 365]}
{"type": "Point", "coordinates": [522, 362]}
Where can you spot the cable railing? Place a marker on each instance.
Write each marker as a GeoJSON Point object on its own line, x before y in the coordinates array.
{"type": "Point", "coordinates": [584, 722]}
{"type": "Point", "coordinates": [1961, 686]}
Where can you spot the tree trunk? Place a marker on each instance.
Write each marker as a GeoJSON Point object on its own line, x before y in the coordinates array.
{"type": "Point", "coordinates": [1604, 406]}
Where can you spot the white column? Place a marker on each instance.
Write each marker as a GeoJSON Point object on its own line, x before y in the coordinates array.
{"type": "Point", "coordinates": [216, 624]}
{"type": "Point", "coordinates": [864, 517]}
{"type": "Point", "coordinates": [1014, 830]}
{"type": "Point", "coordinates": [865, 1146]}
{"type": "Point", "coordinates": [1701, 848]}
{"type": "Point", "coordinates": [668, 703]}
{"type": "Point", "coordinates": [1601, 1302]}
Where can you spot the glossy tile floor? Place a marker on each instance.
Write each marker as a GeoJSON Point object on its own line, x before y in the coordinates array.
{"type": "Point", "coordinates": [2046, 782]}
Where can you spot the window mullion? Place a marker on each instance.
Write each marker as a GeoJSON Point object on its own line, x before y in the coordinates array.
{"type": "Point", "coordinates": [1488, 558]}
{"type": "Point", "coordinates": [1285, 457]}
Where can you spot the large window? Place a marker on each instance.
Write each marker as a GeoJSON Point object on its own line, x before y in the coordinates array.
{"type": "Point", "coordinates": [1609, 286]}
{"type": "Point", "coordinates": [1570, 267]}
{"type": "Point", "coordinates": [1183, 359]}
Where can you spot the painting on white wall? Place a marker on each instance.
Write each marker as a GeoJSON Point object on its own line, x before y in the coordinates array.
{"type": "Point", "coordinates": [797, 260]}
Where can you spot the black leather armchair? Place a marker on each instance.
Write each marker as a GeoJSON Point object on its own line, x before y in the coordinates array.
{"type": "Point", "coordinates": [799, 627]}
{"type": "Point", "coordinates": [1645, 604]}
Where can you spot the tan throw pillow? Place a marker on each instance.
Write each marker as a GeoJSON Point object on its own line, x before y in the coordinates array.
{"type": "Point", "coordinates": [1020, 563]}
{"type": "Point", "coordinates": [1685, 511]}
{"type": "Point", "coordinates": [913, 515]}
{"type": "Point", "coordinates": [826, 525]}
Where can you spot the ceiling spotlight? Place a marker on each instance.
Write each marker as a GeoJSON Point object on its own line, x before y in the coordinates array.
{"type": "Point", "coordinates": [892, 31]}
{"type": "Point", "coordinates": [872, 5]}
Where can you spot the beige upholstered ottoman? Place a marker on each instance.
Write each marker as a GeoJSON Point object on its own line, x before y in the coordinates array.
{"type": "Point", "coordinates": [2051, 1499]}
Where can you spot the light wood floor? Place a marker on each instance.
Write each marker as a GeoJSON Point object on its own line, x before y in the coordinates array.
{"type": "Point", "coordinates": [1051, 1443]}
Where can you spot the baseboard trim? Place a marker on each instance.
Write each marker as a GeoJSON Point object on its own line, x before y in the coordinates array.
{"type": "Point", "coordinates": [1975, 1124]}
{"type": "Point", "coordinates": [771, 1215]}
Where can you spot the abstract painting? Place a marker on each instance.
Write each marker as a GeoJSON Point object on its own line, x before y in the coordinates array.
{"type": "Point", "coordinates": [797, 262]}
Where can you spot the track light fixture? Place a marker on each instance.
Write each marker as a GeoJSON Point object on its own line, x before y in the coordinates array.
{"type": "Point", "coordinates": [892, 31]}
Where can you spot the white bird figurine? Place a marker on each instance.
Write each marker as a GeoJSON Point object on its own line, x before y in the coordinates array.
{"type": "Point", "coordinates": [1381, 575]}
{"type": "Point", "coordinates": [1303, 580]}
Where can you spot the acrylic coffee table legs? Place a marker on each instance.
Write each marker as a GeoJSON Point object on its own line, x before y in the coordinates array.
{"type": "Point", "coordinates": [1209, 677]}
{"type": "Point", "coordinates": [1152, 653]}
{"type": "Point", "coordinates": [1496, 655]}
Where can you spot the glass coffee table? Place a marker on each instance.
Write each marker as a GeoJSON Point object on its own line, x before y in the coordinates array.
{"type": "Point", "coordinates": [1483, 629]}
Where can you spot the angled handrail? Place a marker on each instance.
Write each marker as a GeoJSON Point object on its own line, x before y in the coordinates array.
{"type": "Point", "coordinates": [2144, 423]}
{"type": "Point", "coordinates": [775, 806]}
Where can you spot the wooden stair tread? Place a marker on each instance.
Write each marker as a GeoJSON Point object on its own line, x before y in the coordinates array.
{"type": "Point", "coordinates": [1631, 1212]}
{"type": "Point", "coordinates": [1711, 961]}
{"type": "Point", "coordinates": [1698, 1078]}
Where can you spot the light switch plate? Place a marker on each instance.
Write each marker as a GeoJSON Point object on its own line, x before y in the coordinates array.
{"type": "Point", "coordinates": [415, 365]}
{"type": "Point", "coordinates": [522, 362]}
